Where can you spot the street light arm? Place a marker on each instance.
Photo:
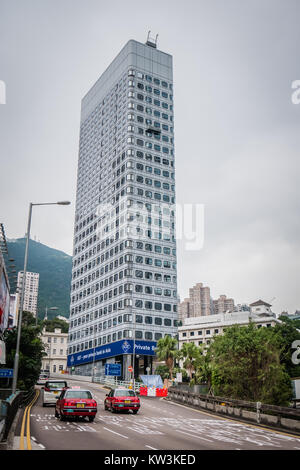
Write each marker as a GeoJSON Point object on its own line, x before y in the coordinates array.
{"type": "Point", "coordinates": [60, 203]}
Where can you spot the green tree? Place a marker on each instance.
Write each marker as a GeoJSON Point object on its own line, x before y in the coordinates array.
{"type": "Point", "coordinates": [163, 371]}
{"type": "Point", "coordinates": [166, 351]}
{"type": "Point", "coordinates": [189, 353]}
{"type": "Point", "coordinates": [50, 325]}
{"type": "Point", "coordinates": [31, 351]}
{"type": "Point", "coordinates": [246, 365]}
{"type": "Point", "coordinates": [203, 369]}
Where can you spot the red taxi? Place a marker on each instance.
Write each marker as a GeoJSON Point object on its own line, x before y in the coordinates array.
{"type": "Point", "coordinates": [75, 402]}
{"type": "Point", "coordinates": [122, 399]}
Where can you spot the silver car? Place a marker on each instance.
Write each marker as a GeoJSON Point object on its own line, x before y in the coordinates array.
{"type": "Point", "coordinates": [42, 379]}
{"type": "Point", "coordinates": [52, 391]}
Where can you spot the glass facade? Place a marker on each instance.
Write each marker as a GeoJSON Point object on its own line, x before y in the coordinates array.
{"type": "Point", "coordinates": [124, 275]}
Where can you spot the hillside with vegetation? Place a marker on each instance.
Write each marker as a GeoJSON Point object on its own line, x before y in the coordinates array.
{"type": "Point", "coordinates": [54, 268]}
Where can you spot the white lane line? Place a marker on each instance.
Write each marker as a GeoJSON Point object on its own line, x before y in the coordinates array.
{"type": "Point", "coordinates": [149, 447]}
{"type": "Point", "coordinates": [114, 432]}
{"type": "Point", "coordinates": [193, 435]}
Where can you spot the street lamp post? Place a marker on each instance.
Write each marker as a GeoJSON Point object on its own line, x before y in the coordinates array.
{"type": "Point", "coordinates": [46, 312]}
{"type": "Point", "coordinates": [16, 361]}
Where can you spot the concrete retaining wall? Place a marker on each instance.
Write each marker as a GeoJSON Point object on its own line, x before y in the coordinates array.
{"type": "Point", "coordinates": [275, 419]}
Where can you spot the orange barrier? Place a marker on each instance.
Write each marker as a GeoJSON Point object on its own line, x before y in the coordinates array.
{"type": "Point", "coordinates": [162, 392]}
{"type": "Point", "coordinates": [159, 392]}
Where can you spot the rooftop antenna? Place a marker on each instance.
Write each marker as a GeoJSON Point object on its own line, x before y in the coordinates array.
{"type": "Point", "coordinates": [150, 41]}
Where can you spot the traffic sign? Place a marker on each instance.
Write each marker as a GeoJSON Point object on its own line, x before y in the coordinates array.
{"type": "Point", "coordinates": [113, 369]}
{"type": "Point", "coordinates": [6, 373]}
{"type": "Point", "coordinates": [130, 368]}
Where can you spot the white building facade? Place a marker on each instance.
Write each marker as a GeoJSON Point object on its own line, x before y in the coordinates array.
{"type": "Point", "coordinates": [55, 345]}
{"type": "Point", "coordinates": [201, 330]}
{"type": "Point", "coordinates": [124, 276]}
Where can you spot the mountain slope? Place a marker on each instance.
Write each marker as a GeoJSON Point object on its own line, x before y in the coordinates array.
{"type": "Point", "coordinates": [54, 267]}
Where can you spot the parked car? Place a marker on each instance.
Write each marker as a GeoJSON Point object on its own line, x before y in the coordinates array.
{"type": "Point", "coordinates": [122, 399]}
{"type": "Point", "coordinates": [42, 378]}
{"type": "Point", "coordinates": [76, 403]}
{"type": "Point", "coordinates": [51, 391]}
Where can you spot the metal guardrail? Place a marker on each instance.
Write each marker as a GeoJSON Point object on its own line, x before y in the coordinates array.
{"type": "Point", "coordinates": [114, 382]}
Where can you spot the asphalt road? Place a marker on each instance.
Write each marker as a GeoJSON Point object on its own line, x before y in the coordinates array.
{"type": "Point", "coordinates": [159, 425]}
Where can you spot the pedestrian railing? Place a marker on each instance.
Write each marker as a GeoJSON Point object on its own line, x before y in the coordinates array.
{"type": "Point", "coordinates": [114, 382]}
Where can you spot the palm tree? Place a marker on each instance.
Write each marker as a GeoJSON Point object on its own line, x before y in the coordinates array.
{"type": "Point", "coordinates": [189, 353]}
{"type": "Point", "coordinates": [166, 351]}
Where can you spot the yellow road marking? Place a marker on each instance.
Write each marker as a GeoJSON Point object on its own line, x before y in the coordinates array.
{"type": "Point", "coordinates": [26, 416]}
{"type": "Point", "coordinates": [237, 421]}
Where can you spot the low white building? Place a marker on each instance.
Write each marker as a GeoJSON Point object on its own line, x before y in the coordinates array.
{"type": "Point", "coordinates": [56, 348]}
{"type": "Point", "coordinates": [201, 330]}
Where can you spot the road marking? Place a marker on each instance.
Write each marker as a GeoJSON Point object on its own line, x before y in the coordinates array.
{"type": "Point", "coordinates": [193, 435]}
{"type": "Point", "coordinates": [114, 432]}
{"type": "Point", "coordinates": [153, 448]}
{"type": "Point", "coordinates": [26, 416]}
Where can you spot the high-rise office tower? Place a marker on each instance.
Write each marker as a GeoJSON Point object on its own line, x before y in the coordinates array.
{"type": "Point", "coordinates": [124, 286]}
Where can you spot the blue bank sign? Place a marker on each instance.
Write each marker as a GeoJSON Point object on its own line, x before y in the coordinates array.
{"type": "Point", "coordinates": [146, 348]}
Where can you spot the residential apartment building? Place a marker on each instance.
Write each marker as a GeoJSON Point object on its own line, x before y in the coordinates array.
{"type": "Point", "coordinates": [197, 304]}
{"type": "Point", "coordinates": [200, 303]}
{"type": "Point", "coordinates": [31, 291]}
{"type": "Point", "coordinates": [124, 281]}
{"type": "Point", "coordinates": [223, 304]}
{"type": "Point", "coordinates": [55, 345]}
{"type": "Point", "coordinates": [201, 330]}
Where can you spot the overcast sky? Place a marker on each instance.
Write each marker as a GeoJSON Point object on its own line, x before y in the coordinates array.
{"type": "Point", "coordinates": [237, 134]}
